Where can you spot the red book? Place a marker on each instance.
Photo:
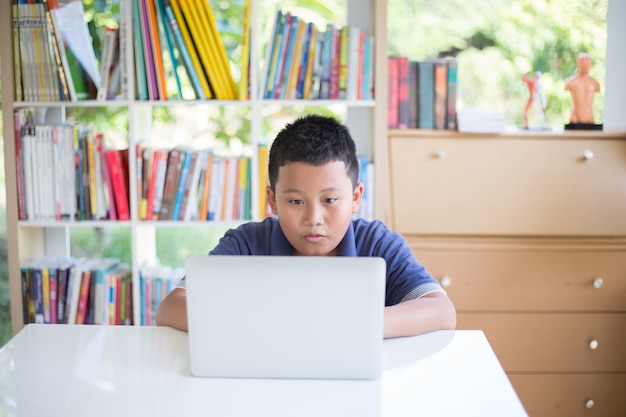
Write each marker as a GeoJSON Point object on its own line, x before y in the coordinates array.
{"type": "Point", "coordinates": [392, 111]}
{"type": "Point", "coordinates": [18, 165]}
{"type": "Point", "coordinates": [403, 92]}
{"type": "Point", "coordinates": [120, 186]}
{"type": "Point", "coordinates": [83, 297]}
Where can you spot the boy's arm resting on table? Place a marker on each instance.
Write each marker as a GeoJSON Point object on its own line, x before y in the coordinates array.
{"type": "Point", "coordinates": [433, 311]}
{"type": "Point", "coordinates": [173, 310]}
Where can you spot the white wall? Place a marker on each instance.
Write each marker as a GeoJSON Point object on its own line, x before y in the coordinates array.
{"type": "Point", "coordinates": [615, 79]}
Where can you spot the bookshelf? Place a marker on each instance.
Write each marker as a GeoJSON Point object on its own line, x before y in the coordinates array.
{"type": "Point", "coordinates": [29, 239]}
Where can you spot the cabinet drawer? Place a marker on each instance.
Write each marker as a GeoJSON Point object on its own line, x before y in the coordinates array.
{"type": "Point", "coordinates": [553, 342]}
{"type": "Point", "coordinates": [522, 186]}
{"type": "Point", "coordinates": [571, 395]}
{"type": "Point", "coordinates": [544, 280]}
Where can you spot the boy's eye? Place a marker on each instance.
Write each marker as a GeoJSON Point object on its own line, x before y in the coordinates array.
{"type": "Point", "coordinates": [296, 202]}
{"type": "Point", "coordinates": [329, 200]}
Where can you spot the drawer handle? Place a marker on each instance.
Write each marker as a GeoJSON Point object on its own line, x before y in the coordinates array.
{"type": "Point", "coordinates": [587, 154]}
{"type": "Point", "coordinates": [598, 282]}
{"type": "Point", "coordinates": [440, 153]}
{"type": "Point", "coordinates": [593, 344]}
{"type": "Point", "coordinates": [590, 404]}
{"type": "Point", "coordinates": [446, 281]}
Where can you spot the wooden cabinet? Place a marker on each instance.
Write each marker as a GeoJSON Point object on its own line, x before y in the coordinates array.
{"type": "Point", "coordinates": [527, 234]}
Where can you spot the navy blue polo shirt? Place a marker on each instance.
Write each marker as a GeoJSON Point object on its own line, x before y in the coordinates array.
{"type": "Point", "coordinates": [406, 277]}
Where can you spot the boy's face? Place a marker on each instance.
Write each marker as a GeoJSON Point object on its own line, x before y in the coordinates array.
{"type": "Point", "coordinates": [314, 205]}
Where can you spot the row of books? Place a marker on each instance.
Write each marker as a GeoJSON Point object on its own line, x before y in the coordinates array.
{"type": "Point", "coordinates": [304, 62]}
{"type": "Point", "coordinates": [422, 94]}
{"type": "Point", "coordinates": [65, 173]}
{"type": "Point", "coordinates": [77, 291]}
{"type": "Point", "coordinates": [177, 43]}
{"type": "Point", "coordinates": [54, 58]}
{"type": "Point", "coordinates": [192, 184]}
{"type": "Point", "coordinates": [155, 282]}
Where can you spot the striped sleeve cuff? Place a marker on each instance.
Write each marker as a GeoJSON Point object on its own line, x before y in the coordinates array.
{"type": "Point", "coordinates": [422, 290]}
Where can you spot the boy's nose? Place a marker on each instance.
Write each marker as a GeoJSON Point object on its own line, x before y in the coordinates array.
{"type": "Point", "coordinates": [313, 215]}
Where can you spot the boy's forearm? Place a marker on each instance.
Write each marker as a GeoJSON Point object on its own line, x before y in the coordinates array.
{"type": "Point", "coordinates": [431, 312]}
{"type": "Point", "coordinates": [173, 310]}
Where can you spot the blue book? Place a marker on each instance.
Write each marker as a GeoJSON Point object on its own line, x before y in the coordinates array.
{"type": "Point", "coordinates": [426, 95]}
{"type": "Point", "coordinates": [287, 66]}
{"type": "Point", "coordinates": [167, 31]}
{"type": "Point", "coordinates": [282, 53]}
{"type": "Point", "coordinates": [306, 41]}
{"type": "Point", "coordinates": [327, 60]}
{"type": "Point", "coordinates": [182, 184]}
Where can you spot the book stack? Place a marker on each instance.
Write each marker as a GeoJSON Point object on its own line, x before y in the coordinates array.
{"type": "Point", "coordinates": [155, 282]}
{"type": "Point", "coordinates": [77, 291]}
{"type": "Point", "coordinates": [422, 94]}
{"type": "Point", "coordinates": [183, 184]}
{"type": "Point", "coordinates": [54, 57]}
{"type": "Point", "coordinates": [168, 31]}
{"type": "Point", "coordinates": [64, 172]}
{"type": "Point", "coordinates": [304, 62]}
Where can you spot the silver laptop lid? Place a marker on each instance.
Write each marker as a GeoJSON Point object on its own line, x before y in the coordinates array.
{"type": "Point", "coordinates": [285, 317]}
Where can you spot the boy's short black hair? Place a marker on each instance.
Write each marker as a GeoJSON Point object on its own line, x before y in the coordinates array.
{"type": "Point", "coordinates": [316, 140]}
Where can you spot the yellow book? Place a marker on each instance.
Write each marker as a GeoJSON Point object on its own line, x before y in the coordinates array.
{"type": "Point", "coordinates": [218, 51]}
{"type": "Point", "coordinates": [263, 154]}
{"type": "Point", "coordinates": [206, 182]}
{"type": "Point", "coordinates": [245, 53]}
{"type": "Point", "coordinates": [199, 37]}
{"type": "Point", "coordinates": [292, 81]}
{"type": "Point", "coordinates": [308, 77]}
{"type": "Point", "coordinates": [184, 31]}
{"type": "Point", "coordinates": [45, 292]}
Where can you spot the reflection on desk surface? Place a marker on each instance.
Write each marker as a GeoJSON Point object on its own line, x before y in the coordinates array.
{"type": "Point", "coordinates": [135, 371]}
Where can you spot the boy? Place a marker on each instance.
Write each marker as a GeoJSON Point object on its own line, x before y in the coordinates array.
{"type": "Point", "coordinates": [313, 192]}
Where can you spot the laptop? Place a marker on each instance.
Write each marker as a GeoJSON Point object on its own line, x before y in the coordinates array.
{"type": "Point", "coordinates": [285, 316]}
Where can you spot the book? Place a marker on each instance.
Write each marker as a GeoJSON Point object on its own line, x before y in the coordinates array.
{"type": "Point", "coordinates": [159, 50]}
{"type": "Point", "coordinates": [174, 164]}
{"type": "Point", "coordinates": [148, 49]}
{"type": "Point", "coordinates": [206, 183]}
{"type": "Point", "coordinates": [78, 47]}
{"type": "Point", "coordinates": [262, 156]}
{"type": "Point", "coordinates": [426, 95]}
{"type": "Point", "coordinates": [56, 45]}
{"type": "Point", "coordinates": [393, 95]}
{"type": "Point", "coordinates": [195, 70]}
{"type": "Point", "coordinates": [110, 44]}
{"type": "Point", "coordinates": [244, 81]}
{"type": "Point", "coordinates": [17, 66]}
{"type": "Point", "coordinates": [161, 159]}
{"type": "Point", "coordinates": [440, 84]}
{"type": "Point", "coordinates": [119, 182]}
{"type": "Point", "coordinates": [451, 119]}
{"type": "Point", "coordinates": [141, 83]}
{"type": "Point", "coordinates": [413, 95]}
{"type": "Point", "coordinates": [182, 186]}
{"type": "Point", "coordinates": [403, 92]}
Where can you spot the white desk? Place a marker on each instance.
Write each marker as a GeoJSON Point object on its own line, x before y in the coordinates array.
{"type": "Point", "coordinates": [64, 370]}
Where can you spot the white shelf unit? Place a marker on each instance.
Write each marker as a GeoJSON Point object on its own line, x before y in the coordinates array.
{"type": "Point", "coordinates": [29, 239]}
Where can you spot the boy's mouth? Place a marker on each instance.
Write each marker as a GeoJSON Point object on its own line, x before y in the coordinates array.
{"type": "Point", "coordinates": [313, 238]}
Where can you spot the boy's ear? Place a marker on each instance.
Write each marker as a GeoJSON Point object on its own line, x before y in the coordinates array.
{"type": "Point", "coordinates": [357, 197]}
{"type": "Point", "coordinates": [271, 199]}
